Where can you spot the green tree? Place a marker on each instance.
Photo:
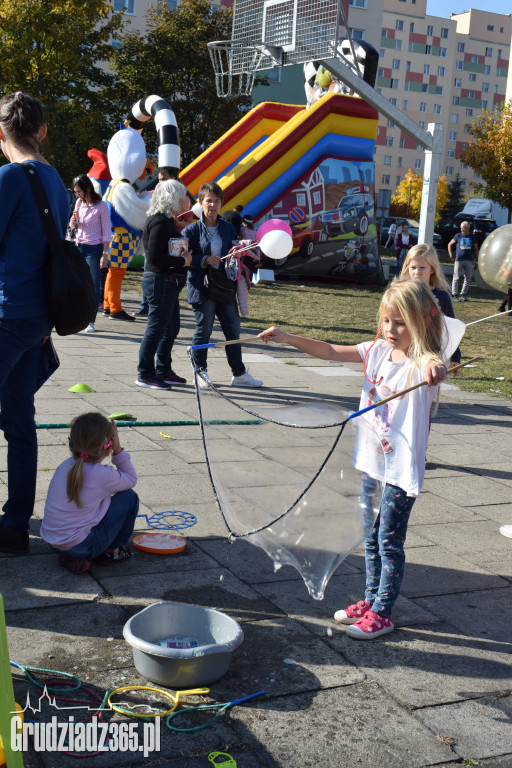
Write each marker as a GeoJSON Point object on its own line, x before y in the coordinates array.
{"type": "Point", "coordinates": [171, 59]}
{"type": "Point", "coordinates": [490, 154]}
{"type": "Point", "coordinates": [456, 195]}
{"type": "Point", "coordinates": [57, 51]}
{"type": "Point", "coordinates": [407, 198]}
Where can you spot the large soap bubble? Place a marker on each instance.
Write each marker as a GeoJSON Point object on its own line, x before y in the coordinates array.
{"type": "Point", "coordinates": [495, 259]}
{"type": "Point", "coordinates": [299, 481]}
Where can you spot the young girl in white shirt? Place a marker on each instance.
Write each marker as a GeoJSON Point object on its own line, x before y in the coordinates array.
{"type": "Point", "coordinates": [411, 326]}
{"type": "Point", "coordinates": [90, 507]}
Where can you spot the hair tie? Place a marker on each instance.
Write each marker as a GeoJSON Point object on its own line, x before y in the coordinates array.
{"type": "Point", "coordinates": [434, 311]}
{"type": "Point", "coordinates": [84, 455]}
{"type": "Point", "coordinates": [19, 93]}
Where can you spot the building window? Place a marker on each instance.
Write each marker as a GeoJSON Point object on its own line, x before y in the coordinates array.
{"type": "Point", "coordinates": [449, 170]}
{"type": "Point", "coordinates": [502, 29]}
{"type": "Point", "coordinates": [499, 53]}
{"type": "Point", "coordinates": [384, 33]}
{"type": "Point", "coordinates": [396, 64]}
{"type": "Point", "coordinates": [380, 72]}
{"type": "Point", "coordinates": [426, 69]}
{"type": "Point", "coordinates": [490, 27]}
{"type": "Point", "coordinates": [484, 104]}
{"type": "Point", "coordinates": [457, 83]}
{"type": "Point", "coordinates": [424, 88]}
{"type": "Point", "coordinates": [408, 66]}
{"type": "Point", "coordinates": [421, 124]}
{"type": "Point", "coordinates": [459, 65]}
{"type": "Point", "coordinates": [460, 47]}
{"type": "Point", "coordinates": [357, 34]}
{"type": "Point", "coordinates": [469, 112]}
{"type": "Point", "coordinates": [398, 45]}
{"type": "Point", "coordinates": [419, 147]}
{"type": "Point", "coordinates": [442, 53]}
{"type": "Point", "coordinates": [407, 85]}
{"type": "Point", "coordinates": [454, 118]}
{"type": "Point", "coordinates": [388, 160]}
{"type": "Point", "coordinates": [472, 77]}
{"type": "Point", "coordinates": [402, 143]}
{"type": "Point", "coordinates": [471, 94]}
{"type": "Point", "coordinates": [404, 105]}
{"type": "Point", "coordinates": [410, 47]}
{"type": "Point", "coordinates": [411, 26]}
{"type": "Point", "coordinates": [451, 153]}
{"type": "Point", "coordinates": [393, 102]}
{"type": "Point", "coordinates": [474, 59]}
{"type": "Point", "coordinates": [399, 162]}
{"type": "Point", "coordinates": [417, 164]}
{"type": "Point", "coordinates": [423, 106]}
{"type": "Point", "coordinates": [390, 125]}
{"type": "Point", "coordinates": [455, 101]}
{"type": "Point", "coordinates": [394, 83]}
{"type": "Point", "coordinates": [453, 135]}
{"type": "Point", "coordinates": [399, 25]}
{"type": "Point", "coordinates": [487, 69]}
{"type": "Point", "coordinates": [357, 3]}
{"type": "Point", "coordinates": [437, 109]}
{"type": "Point", "coordinates": [439, 90]}
{"type": "Point", "coordinates": [430, 29]}
{"type": "Point", "coordinates": [440, 71]}
{"type": "Point", "coordinates": [386, 179]}
{"type": "Point", "coordinates": [398, 179]}
{"type": "Point", "coordinates": [488, 51]}
{"type": "Point", "coordinates": [496, 88]}
{"type": "Point", "coordinates": [444, 32]}
{"type": "Point", "coordinates": [485, 87]}
{"type": "Point", "coordinates": [382, 53]}
{"type": "Point", "coordinates": [466, 128]}
{"type": "Point", "coordinates": [389, 141]}
{"type": "Point", "coordinates": [129, 5]}
{"type": "Point", "coordinates": [428, 50]}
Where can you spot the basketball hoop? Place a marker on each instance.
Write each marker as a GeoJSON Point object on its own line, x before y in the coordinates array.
{"type": "Point", "coordinates": [235, 63]}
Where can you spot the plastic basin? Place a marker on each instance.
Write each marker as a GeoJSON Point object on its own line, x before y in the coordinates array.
{"type": "Point", "coordinates": [182, 646]}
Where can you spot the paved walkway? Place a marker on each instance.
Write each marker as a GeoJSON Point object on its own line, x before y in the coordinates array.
{"type": "Point", "coordinates": [436, 692]}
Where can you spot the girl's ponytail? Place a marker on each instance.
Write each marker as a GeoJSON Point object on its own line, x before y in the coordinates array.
{"type": "Point", "coordinates": [88, 440]}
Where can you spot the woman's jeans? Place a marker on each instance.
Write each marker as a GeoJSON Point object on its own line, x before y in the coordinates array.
{"type": "Point", "coordinates": [113, 530]}
{"type": "Point", "coordinates": [20, 355]}
{"type": "Point", "coordinates": [384, 550]}
{"type": "Point", "coordinates": [92, 255]}
{"type": "Point", "coordinates": [229, 319]}
{"type": "Point", "coordinates": [162, 292]}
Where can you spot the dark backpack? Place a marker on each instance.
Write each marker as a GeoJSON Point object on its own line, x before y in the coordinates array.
{"type": "Point", "coordinates": [70, 291]}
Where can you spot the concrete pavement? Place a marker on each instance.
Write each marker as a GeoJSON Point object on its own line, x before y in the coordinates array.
{"type": "Point", "coordinates": [436, 692]}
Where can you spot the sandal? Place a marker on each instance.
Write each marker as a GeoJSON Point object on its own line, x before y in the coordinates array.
{"type": "Point", "coordinates": [114, 555]}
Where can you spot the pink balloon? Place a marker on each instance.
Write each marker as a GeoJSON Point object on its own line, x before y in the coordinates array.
{"type": "Point", "coordinates": [271, 225]}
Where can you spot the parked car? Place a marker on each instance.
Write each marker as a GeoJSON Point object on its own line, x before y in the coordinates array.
{"type": "Point", "coordinates": [414, 227]}
{"type": "Point", "coordinates": [352, 214]}
{"type": "Point", "coordinates": [479, 226]}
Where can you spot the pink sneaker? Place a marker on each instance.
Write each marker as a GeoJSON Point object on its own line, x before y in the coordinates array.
{"type": "Point", "coordinates": [353, 613]}
{"type": "Point", "coordinates": [370, 626]}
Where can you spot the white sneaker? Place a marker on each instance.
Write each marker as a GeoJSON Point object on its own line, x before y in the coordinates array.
{"type": "Point", "coordinates": [90, 328]}
{"type": "Point", "coordinates": [506, 530]}
{"type": "Point", "coordinates": [245, 380]}
{"type": "Point", "coordinates": [201, 383]}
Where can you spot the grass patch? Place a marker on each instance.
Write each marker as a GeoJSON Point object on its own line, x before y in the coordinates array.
{"type": "Point", "coordinates": [347, 314]}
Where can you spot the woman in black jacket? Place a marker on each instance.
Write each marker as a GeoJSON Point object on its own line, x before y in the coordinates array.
{"type": "Point", "coordinates": [161, 283]}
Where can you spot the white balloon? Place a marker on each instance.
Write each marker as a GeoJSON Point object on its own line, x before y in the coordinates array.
{"type": "Point", "coordinates": [197, 210]}
{"type": "Point", "coordinates": [276, 244]}
{"type": "Point", "coordinates": [453, 331]}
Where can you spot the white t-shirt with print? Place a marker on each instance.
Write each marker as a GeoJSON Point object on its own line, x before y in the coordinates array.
{"type": "Point", "coordinates": [402, 424]}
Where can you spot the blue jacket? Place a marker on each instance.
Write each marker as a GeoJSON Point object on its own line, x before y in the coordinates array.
{"type": "Point", "coordinates": [199, 244]}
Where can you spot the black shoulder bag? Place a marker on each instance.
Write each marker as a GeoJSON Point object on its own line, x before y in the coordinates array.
{"type": "Point", "coordinates": [69, 286]}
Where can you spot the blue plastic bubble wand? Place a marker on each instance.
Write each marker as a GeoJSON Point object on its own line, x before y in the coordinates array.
{"type": "Point", "coordinates": [203, 707]}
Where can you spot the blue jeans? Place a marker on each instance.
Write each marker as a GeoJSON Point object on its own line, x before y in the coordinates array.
{"type": "Point", "coordinates": [229, 319]}
{"type": "Point", "coordinates": [163, 326]}
{"type": "Point", "coordinates": [20, 351]}
{"type": "Point", "coordinates": [92, 255]}
{"type": "Point", "coordinates": [384, 550]}
{"type": "Point", "coordinates": [114, 530]}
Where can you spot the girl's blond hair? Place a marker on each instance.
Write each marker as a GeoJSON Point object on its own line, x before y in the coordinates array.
{"type": "Point", "coordinates": [429, 253]}
{"type": "Point", "coordinates": [416, 304]}
{"type": "Point", "coordinates": [90, 433]}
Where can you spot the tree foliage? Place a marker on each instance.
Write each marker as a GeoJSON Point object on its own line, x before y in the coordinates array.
{"type": "Point", "coordinates": [456, 195]}
{"type": "Point", "coordinates": [490, 154]}
{"type": "Point", "coordinates": [407, 198]}
{"type": "Point", "coordinates": [56, 52]}
{"type": "Point", "coordinates": [171, 59]}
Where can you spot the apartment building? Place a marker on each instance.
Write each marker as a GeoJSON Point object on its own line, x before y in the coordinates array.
{"type": "Point", "coordinates": [437, 70]}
